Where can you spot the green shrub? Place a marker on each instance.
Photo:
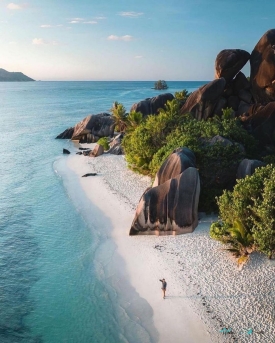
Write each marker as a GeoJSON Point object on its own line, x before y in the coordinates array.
{"type": "Point", "coordinates": [133, 120]}
{"type": "Point", "coordinates": [269, 159]}
{"type": "Point", "coordinates": [148, 137]}
{"type": "Point", "coordinates": [218, 231]}
{"type": "Point", "coordinates": [237, 238]}
{"type": "Point", "coordinates": [154, 139]}
{"type": "Point", "coordinates": [252, 203]}
{"type": "Point", "coordinates": [104, 142]}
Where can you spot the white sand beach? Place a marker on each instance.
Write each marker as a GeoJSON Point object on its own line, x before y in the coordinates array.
{"type": "Point", "coordinates": [206, 292]}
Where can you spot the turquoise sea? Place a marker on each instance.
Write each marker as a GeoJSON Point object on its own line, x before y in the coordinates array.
{"type": "Point", "coordinates": [60, 277]}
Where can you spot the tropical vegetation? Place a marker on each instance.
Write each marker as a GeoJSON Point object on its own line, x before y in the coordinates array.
{"type": "Point", "coordinates": [119, 114]}
{"type": "Point", "coordinates": [156, 137]}
{"type": "Point", "coordinates": [160, 84]}
{"type": "Point", "coordinates": [246, 207]}
{"type": "Point", "coordinates": [103, 141]}
{"type": "Point", "coordinates": [251, 204]}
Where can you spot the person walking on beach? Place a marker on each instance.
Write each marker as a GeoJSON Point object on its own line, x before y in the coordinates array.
{"type": "Point", "coordinates": [163, 287]}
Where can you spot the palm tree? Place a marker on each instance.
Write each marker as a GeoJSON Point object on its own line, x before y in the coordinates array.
{"type": "Point", "coordinates": [119, 115]}
{"type": "Point", "coordinates": [241, 242]}
{"type": "Point", "coordinates": [133, 120]}
{"type": "Point", "coordinates": [182, 96]}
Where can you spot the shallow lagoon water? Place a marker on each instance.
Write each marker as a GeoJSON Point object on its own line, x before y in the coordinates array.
{"type": "Point", "coordinates": [61, 279]}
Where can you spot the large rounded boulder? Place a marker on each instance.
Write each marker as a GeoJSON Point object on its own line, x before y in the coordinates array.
{"type": "Point", "coordinates": [91, 128]}
{"type": "Point", "coordinates": [206, 101]}
{"type": "Point", "coordinates": [260, 121]}
{"type": "Point", "coordinates": [100, 125]}
{"type": "Point", "coordinates": [229, 62]}
{"type": "Point", "coordinates": [175, 164]}
{"type": "Point", "coordinates": [170, 208]}
{"type": "Point", "coordinates": [247, 167]}
{"type": "Point", "coordinates": [263, 68]}
{"type": "Point", "coordinates": [152, 105]}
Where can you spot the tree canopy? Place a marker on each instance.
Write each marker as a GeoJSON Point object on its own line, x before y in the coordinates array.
{"type": "Point", "coordinates": [160, 84]}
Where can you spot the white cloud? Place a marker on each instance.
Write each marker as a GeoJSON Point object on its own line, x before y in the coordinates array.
{"type": "Point", "coordinates": [41, 41]}
{"type": "Point", "coordinates": [13, 6]}
{"type": "Point", "coordinates": [138, 56]}
{"type": "Point", "coordinates": [82, 21]}
{"type": "Point", "coordinates": [113, 37]}
{"type": "Point", "coordinates": [130, 14]}
{"type": "Point", "coordinates": [12, 43]}
{"type": "Point", "coordinates": [100, 18]}
{"type": "Point", "coordinates": [90, 22]}
{"type": "Point", "coordinates": [126, 38]}
{"type": "Point", "coordinates": [46, 26]}
{"type": "Point", "coordinates": [76, 20]}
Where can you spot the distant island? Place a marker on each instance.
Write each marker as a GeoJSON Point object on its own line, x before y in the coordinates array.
{"type": "Point", "coordinates": [6, 76]}
{"type": "Point", "coordinates": [160, 84]}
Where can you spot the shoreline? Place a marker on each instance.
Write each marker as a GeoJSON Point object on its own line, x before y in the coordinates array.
{"type": "Point", "coordinates": [172, 317]}
{"type": "Point", "coordinates": [206, 292]}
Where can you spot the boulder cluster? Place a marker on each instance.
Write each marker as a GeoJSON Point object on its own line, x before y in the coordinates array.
{"type": "Point", "coordinates": [170, 206]}
{"type": "Point", "coordinates": [252, 99]}
{"type": "Point", "coordinates": [96, 126]}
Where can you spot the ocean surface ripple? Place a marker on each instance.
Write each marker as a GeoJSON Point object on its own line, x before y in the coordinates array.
{"type": "Point", "coordinates": [59, 276]}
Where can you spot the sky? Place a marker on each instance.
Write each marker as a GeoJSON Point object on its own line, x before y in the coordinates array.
{"type": "Point", "coordinates": [93, 40]}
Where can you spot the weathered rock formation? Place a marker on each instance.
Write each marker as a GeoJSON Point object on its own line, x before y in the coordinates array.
{"type": "Point", "coordinates": [247, 167]}
{"type": "Point", "coordinates": [260, 121]}
{"type": "Point", "coordinates": [229, 62]}
{"type": "Point", "coordinates": [263, 68]}
{"type": "Point", "coordinates": [115, 145]}
{"type": "Point", "coordinates": [175, 164]}
{"type": "Point", "coordinates": [235, 90]}
{"type": "Point", "coordinates": [225, 142]}
{"type": "Point", "coordinates": [97, 151]}
{"type": "Point", "coordinates": [67, 134]}
{"type": "Point", "coordinates": [66, 151]}
{"type": "Point", "coordinates": [152, 105]}
{"type": "Point", "coordinates": [170, 208]}
{"type": "Point", "coordinates": [91, 128]}
{"type": "Point", "coordinates": [206, 101]}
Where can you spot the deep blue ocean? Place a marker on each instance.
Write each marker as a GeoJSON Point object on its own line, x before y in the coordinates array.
{"type": "Point", "coordinates": [57, 268]}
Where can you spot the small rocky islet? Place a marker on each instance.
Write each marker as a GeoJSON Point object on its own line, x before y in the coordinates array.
{"type": "Point", "coordinates": [170, 206]}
